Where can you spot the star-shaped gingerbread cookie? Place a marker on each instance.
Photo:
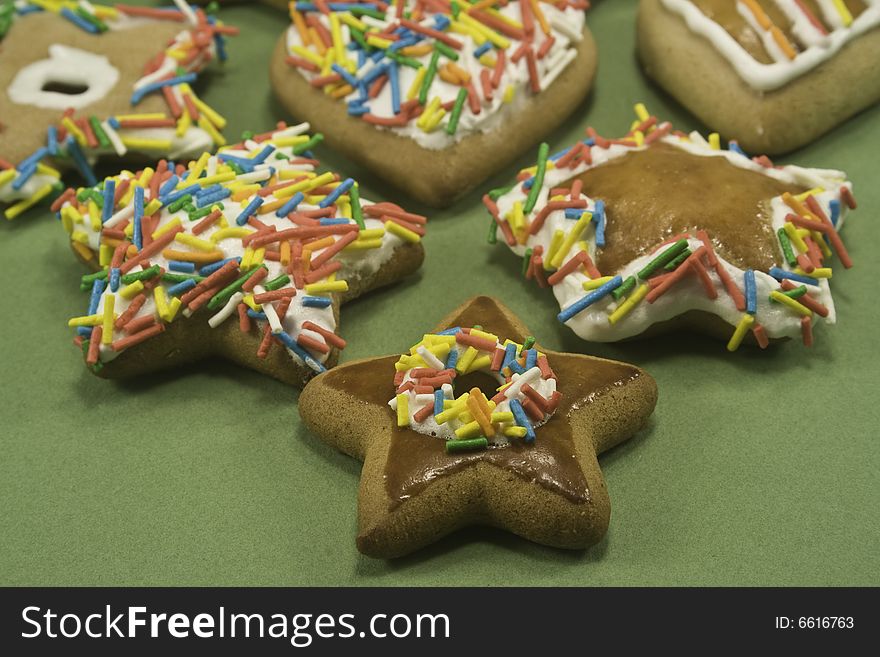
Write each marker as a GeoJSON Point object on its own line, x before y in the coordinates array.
{"type": "Point", "coordinates": [245, 255]}
{"type": "Point", "coordinates": [661, 230]}
{"type": "Point", "coordinates": [97, 81]}
{"type": "Point", "coordinates": [484, 427]}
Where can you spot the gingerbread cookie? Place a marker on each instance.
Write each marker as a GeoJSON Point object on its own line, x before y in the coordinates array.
{"type": "Point", "coordinates": [435, 96]}
{"type": "Point", "coordinates": [245, 255]}
{"type": "Point", "coordinates": [479, 425]}
{"type": "Point", "coordinates": [662, 230]}
{"type": "Point", "coordinates": [772, 74]}
{"type": "Point", "coordinates": [87, 81]}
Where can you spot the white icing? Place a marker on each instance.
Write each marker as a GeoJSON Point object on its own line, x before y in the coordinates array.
{"type": "Point", "coordinates": [566, 27]}
{"type": "Point", "coordinates": [593, 324]}
{"type": "Point", "coordinates": [358, 263]}
{"type": "Point", "coordinates": [64, 65]}
{"type": "Point", "coordinates": [767, 77]}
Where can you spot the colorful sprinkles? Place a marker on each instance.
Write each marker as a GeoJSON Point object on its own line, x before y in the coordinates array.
{"type": "Point", "coordinates": [432, 69]}
{"type": "Point", "coordinates": [557, 229]}
{"type": "Point", "coordinates": [253, 232]}
{"type": "Point", "coordinates": [425, 401]}
{"type": "Point", "coordinates": [188, 127]}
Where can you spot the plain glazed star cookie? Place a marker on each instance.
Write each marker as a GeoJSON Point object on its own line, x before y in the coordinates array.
{"type": "Point", "coordinates": [772, 74]}
{"type": "Point", "coordinates": [661, 230]}
{"type": "Point", "coordinates": [244, 255]}
{"type": "Point", "coordinates": [483, 427]}
{"type": "Point", "coordinates": [83, 82]}
{"type": "Point", "coordinates": [434, 96]}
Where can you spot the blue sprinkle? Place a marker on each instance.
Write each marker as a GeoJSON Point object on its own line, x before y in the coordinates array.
{"type": "Point", "coordinates": [178, 289]}
{"type": "Point", "coordinates": [780, 274]}
{"type": "Point", "coordinates": [79, 159]}
{"type": "Point", "coordinates": [589, 299]}
{"type": "Point", "coordinates": [482, 50]}
{"type": "Point", "coordinates": [452, 359]}
{"type": "Point", "coordinates": [185, 267]}
{"type": "Point", "coordinates": [210, 190]}
{"type": "Point", "coordinates": [438, 401]}
{"type": "Point", "coordinates": [113, 122]}
{"type": "Point", "coordinates": [751, 292]}
{"type": "Point", "coordinates": [356, 109]}
{"type": "Point", "coordinates": [114, 278]}
{"type": "Point", "coordinates": [316, 302]}
{"type": "Point", "coordinates": [52, 140]}
{"type": "Point", "coordinates": [519, 414]}
{"type": "Point", "coordinates": [169, 184]}
{"type": "Point", "coordinates": [79, 21]}
{"type": "Point", "coordinates": [138, 95]}
{"type": "Point", "coordinates": [441, 22]}
{"type": "Point", "coordinates": [331, 198]}
{"type": "Point", "coordinates": [394, 78]}
{"type": "Point", "coordinates": [599, 219]}
{"type": "Point", "coordinates": [207, 270]}
{"type": "Point", "coordinates": [23, 176]}
{"type": "Point", "coordinates": [85, 331]}
{"type": "Point", "coordinates": [291, 205]}
{"type": "Point", "coordinates": [345, 75]}
{"type": "Point", "coordinates": [291, 344]}
{"type": "Point", "coordinates": [450, 331]}
{"type": "Point", "coordinates": [33, 158]}
{"type": "Point", "coordinates": [263, 154]}
{"type": "Point", "coordinates": [246, 164]}
{"type": "Point", "coordinates": [375, 72]}
{"type": "Point", "coordinates": [250, 209]}
{"type": "Point", "coordinates": [98, 287]}
{"type": "Point", "coordinates": [573, 213]}
{"type": "Point", "coordinates": [220, 44]}
{"type": "Point", "coordinates": [109, 195]}
{"type": "Point", "coordinates": [219, 195]}
{"type": "Point", "coordinates": [531, 358]}
{"type": "Point", "coordinates": [834, 206]}
{"type": "Point", "coordinates": [509, 355]}
{"type": "Point", "coordinates": [515, 367]}
{"type": "Point", "coordinates": [734, 146]}
{"type": "Point", "coordinates": [361, 55]}
{"type": "Point", "coordinates": [178, 194]}
{"type": "Point", "coordinates": [338, 221]}
{"type": "Point", "coordinates": [137, 235]}
{"type": "Point", "coordinates": [253, 314]}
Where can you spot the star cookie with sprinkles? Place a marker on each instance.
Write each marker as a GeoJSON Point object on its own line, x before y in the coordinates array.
{"type": "Point", "coordinates": [478, 425]}
{"type": "Point", "coordinates": [661, 230]}
{"type": "Point", "coordinates": [85, 81]}
{"type": "Point", "coordinates": [244, 255]}
{"type": "Point", "coordinates": [434, 95]}
{"type": "Point", "coordinates": [772, 74]}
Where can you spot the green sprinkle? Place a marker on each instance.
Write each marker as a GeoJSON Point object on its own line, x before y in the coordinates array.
{"type": "Point", "coordinates": [538, 183]}
{"type": "Point", "coordinates": [498, 192]}
{"type": "Point", "coordinates": [358, 36]}
{"type": "Point", "coordinates": [367, 11]}
{"type": "Point", "coordinates": [180, 203]}
{"type": "Point", "coordinates": [674, 264]}
{"type": "Point", "coordinates": [528, 343]}
{"type": "Point", "coordinates": [354, 196]}
{"type": "Point", "coordinates": [403, 60]}
{"type": "Point", "coordinates": [212, 8]}
{"type": "Point", "coordinates": [466, 445]}
{"type": "Point", "coordinates": [98, 129]}
{"type": "Point", "coordinates": [219, 299]}
{"type": "Point", "coordinates": [85, 284]}
{"type": "Point", "coordinates": [144, 275]}
{"type": "Point", "coordinates": [452, 125]}
{"type": "Point", "coordinates": [446, 51]}
{"type": "Point", "coordinates": [525, 263]}
{"type": "Point", "coordinates": [94, 20]}
{"type": "Point", "coordinates": [492, 238]}
{"type": "Point", "coordinates": [96, 196]}
{"type": "Point", "coordinates": [429, 78]}
{"type": "Point", "coordinates": [198, 214]}
{"type": "Point", "coordinates": [280, 156]}
{"type": "Point", "coordinates": [796, 292]}
{"type": "Point", "coordinates": [624, 288]}
{"type": "Point", "coordinates": [311, 143]}
{"type": "Point", "coordinates": [174, 277]}
{"type": "Point", "coordinates": [456, 9]}
{"type": "Point", "coordinates": [664, 258]}
{"type": "Point", "coordinates": [238, 170]}
{"type": "Point", "coordinates": [247, 134]}
{"type": "Point", "coordinates": [5, 23]}
{"type": "Point", "coordinates": [785, 243]}
{"type": "Point", "coordinates": [277, 283]}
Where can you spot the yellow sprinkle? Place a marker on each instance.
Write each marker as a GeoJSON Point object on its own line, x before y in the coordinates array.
{"type": "Point", "coordinates": [417, 83]}
{"type": "Point", "coordinates": [351, 21]}
{"type": "Point", "coordinates": [161, 300]}
{"type": "Point", "coordinates": [208, 127]}
{"type": "Point", "coordinates": [490, 34]}
{"type": "Point", "coordinates": [456, 409]}
{"type": "Point", "coordinates": [715, 141]}
{"type": "Point", "coordinates": [302, 186]}
{"type": "Point", "coordinates": [79, 237]}
{"type": "Point", "coordinates": [639, 136]}
{"type": "Point", "coordinates": [171, 225]}
{"type": "Point", "coordinates": [572, 237]}
{"type": "Point", "coordinates": [234, 231]}
{"type": "Point", "coordinates": [795, 305]}
{"type": "Point", "coordinates": [253, 305]}
{"type": "Point", "coordinates": [194, 242]}
{"type": "Point", "coordinates": [14, 210]}
{"type": "Point", "coordinates": [246, 258]}
{"type": "Point", "coordinates": [144, 144]}
{"type": "Point", "coordinates": [596, 282]}
{"type": "Point", "coordinates": [515, 218]}
{"type": "Point", "coordinates": [131, 291]}
{"type": "Point", "coordinates": [7, 176]}
{"type": "Point", "coordinates": [73, 129]}
{"type": "Point", "coordinates": [795, 237]}
{"type": "Point", "coordinates": [810, 192]}
{"type": "Point", "coordinates": [85, 320]}
{"type": "Point", "coordinates": [109, 318]}
{"type": "Point", "coordinates": [336, 35]}
{"type": "Point", "coordinates": [483, 334]}
{"type": "Point", "coordinates": [197, 168]}
{"type": "Point", "coordinates": [323, 288]}
{"type": "Point", "coordinates": [480, 363]}
{"type": "Point", "coordinates": [172, 309]}
{"type": "Point", "coordinates": [402, 409]}
{"type": "Point", "coordinates": [745, 323]}
{"type": "Point", "coordinates": [217, 178]}
{"type": "Point", "coordinates": [465, 360]}
{"type": "Point", "coordinates": [294, 140]}
{"type": "Point", "coordinates": [505, 416]}
{"type": "Point", "coordinates": [469, 430]}
{"type": "Point", "coordinates": [377, 41]}
{"type": "Point", "coordinates": [403, 233]}
{"type": "Point", "coordinates": [842, 9]}
{"type": "Point", "coordinates": [509, 92]}
{"type": "Point", "coordinates": [184, 123]}
{"type": "Point", "coordinates": [488, 60]}
{"type": "Point", "coordinates": [94, 215]}
{"type": "Point", "coordinates": [631, 301]}
{"type": "Point", "coordinates": [305, 53]}
{"type": "Point", "coordinates": [363, 244]}
{"type": "Point", "coordinates": [818, 272]}
{"type": "Point", "coordinates": [146, 116]}
{"type": "Point", "coordinates": [642, 112]}
{"type": "Point", "coordinates": [210, 112]}
{"type": "Point", "coordinates": [515, 432]}
{"type": "Point", "coordinates": [82, 251]}
{"type": "Point", "coordinates": [46, 170]}
{"type": "Point", "coordinates": [555, 243]}
{"type": "Point", "coordinates": [152, 207]}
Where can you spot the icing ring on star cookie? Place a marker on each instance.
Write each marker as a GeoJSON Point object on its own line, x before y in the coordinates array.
{"type": "Point", "coordinates": [242, 251]}
{"type": "Point", "coordinates": [425, 401]}
{"type": "Point", "coordinates": [662, 229]}
{"type": "Point", "coordinates": [97, 81]}
{"type": "Point", "coordinates": [453, 90]}
{"type": "Point", "coordinates": [772, 74]}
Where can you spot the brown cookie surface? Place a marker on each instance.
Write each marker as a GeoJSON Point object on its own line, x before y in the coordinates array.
{"type": "Point", "coordinates": [414, 491]}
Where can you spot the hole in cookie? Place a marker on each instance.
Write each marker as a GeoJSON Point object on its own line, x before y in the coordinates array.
{"type": "Point", "coordinates": [66, 88]}
{"type": "Point", "coordinates": [487, 383]}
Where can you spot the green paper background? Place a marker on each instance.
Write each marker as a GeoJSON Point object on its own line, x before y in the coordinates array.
{"type": "Point", "coordinates": [758, 468]}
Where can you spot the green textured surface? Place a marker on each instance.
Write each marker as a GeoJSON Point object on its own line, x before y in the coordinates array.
{"type": "Point", "coordinates": [758, 468]}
